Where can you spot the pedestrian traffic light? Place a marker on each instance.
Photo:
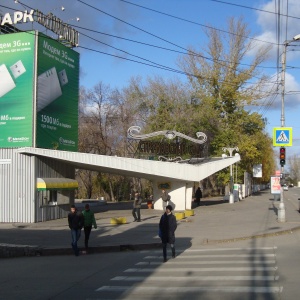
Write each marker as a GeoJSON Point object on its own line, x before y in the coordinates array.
{"type": "Point", "coordinates": [282, 156]}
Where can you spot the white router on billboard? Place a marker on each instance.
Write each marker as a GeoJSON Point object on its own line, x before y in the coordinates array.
{"type": "Point", "coordinates": [7, 82]}
{"type": "Point", "coordinates": [49, 87]}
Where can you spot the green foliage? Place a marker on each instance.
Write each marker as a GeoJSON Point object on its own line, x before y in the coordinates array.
{"type": "Point", "coordinates": [214, 101]}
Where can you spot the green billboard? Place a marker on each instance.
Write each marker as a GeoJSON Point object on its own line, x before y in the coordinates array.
{"type": "Point", "coordinates": [16, 89]}
{"type": "Point", "coordinates": [57, 95]}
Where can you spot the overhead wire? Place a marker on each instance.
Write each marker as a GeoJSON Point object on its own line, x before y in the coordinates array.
{"type": "Point", "coordinates": [254, 8]}
{"type": "Point", "coordinates": [185, 53]}
{"type": "Point", "coordinates": [169, 15]}
{"type": "Point", "coordinates": [156, 46]}
{"type": "Point", "coordinates": [100, 10]}
{"type": "Point", "coordinates": [193, 22]}
{"type": "Point", "coordinates": [189, 52]}
{"type": "Point", "coordinates": [272, 99]}
{"type": "Point", "coordinates": [148, 62]}
{"type": "Point", "coordinates": [152, 64]}
{"type": "Point", "coordinates": [167, 49]}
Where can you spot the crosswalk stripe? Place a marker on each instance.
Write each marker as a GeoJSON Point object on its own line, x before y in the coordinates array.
{"type": "Point", "coordinates": [139, 270]}
{"type": "Point", "coordinates": [197, 278]}
{"type": "Point", "coordinates": [181, 256]}
{"type": "Point", "coordinates": [231, 289]}
{"type": "Point", "coordinates": [237, 270]}
{"type": "Point", "coordinates": [214, 249]}
{"type": "Point", "coordinates": [175, 262]}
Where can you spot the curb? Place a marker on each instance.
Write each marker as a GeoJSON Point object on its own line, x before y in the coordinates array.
{"type": "Point", "coordinates": [263, 235]}
{"type": "Point", "coordinates": [13, 251]}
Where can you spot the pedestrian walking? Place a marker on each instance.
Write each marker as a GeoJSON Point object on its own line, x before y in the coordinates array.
{"type": "Point", "coordinates": [75, 221]}
{"type": "Point", "coordinates": [89, 221]}
{"type": "Point", "coordinates": [165, 198]}
{"type": "Point", "coordinates": [167, 227]}
{"type": "Point", "coordinates": [136, 211]}
{"type": "Point", "coordinates": [198, 195]}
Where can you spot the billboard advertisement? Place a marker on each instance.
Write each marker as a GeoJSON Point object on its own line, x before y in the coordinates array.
{"type": "Point", "coordinates": [16, 89]}
{"type": "Point", "coordinates": [275, 185]}
{"type": "Point", "coordinates": [57, 95]}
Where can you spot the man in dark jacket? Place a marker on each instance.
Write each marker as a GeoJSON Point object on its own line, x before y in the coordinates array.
{"type": "Point", "coordinates": [198, 195]}
{"type": "Point", "coordinates": [167, 227]}
{"type": "Point", "coordinates": [76, 222]}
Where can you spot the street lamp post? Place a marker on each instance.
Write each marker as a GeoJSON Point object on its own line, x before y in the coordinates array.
{"type": "Point", "coordinates": [230, 150]}
{"type": "Point", "coordinates": [281, 209]}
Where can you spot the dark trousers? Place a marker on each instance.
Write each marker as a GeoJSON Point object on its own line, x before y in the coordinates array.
{"type": "Point", "coordinates": [75, 233]}
{"type": "Point", "coordinates": [87, 232]}
{"type": "Point", "coordinates": [136, 213]}
{"type": "Point", "coordinates": [165, 249]}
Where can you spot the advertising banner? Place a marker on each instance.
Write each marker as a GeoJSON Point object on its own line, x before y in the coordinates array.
{"type": "Point", "coordinates": [16, 89]}
{"type": "Point", "coordinates": [275, 185]}
{"type": "Point", "coordinates": [257, 170]}
{"type": "Point", "coordinates": [57, 95]}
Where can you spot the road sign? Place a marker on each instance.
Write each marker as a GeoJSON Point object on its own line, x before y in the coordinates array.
{"type": "Point", "coordinates": [282, 136]}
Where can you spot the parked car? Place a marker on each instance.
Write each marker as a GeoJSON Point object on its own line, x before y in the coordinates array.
{"type": "Point", "coordinates": [285, 187]}
{"type": "Point", "coordinates": [291, 185]}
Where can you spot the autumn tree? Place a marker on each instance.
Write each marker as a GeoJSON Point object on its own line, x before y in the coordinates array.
{"type": "Point", "coordinates": [105, 116]}
{"type": "Point", "coordinates": [226, 87]}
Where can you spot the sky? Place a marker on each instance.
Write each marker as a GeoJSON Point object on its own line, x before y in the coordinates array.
{"type": "Point", "coordinates": [120, 39]}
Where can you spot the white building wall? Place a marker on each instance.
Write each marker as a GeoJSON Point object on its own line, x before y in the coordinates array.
{"type": "Point", "coordinates": [17, 187]}
{"type": "Point", "coordinates": [18, 193]}
{"type": "Point", "coordinates": [181, 195]}
{"type": "Point", "coordinates": [189, 195]}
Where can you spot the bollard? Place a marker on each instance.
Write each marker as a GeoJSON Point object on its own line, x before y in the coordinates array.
{"type": "Point", "coordinates": [117, 221]}
{"type": "Point", "coordinates": [299, 205]}
{"type": "Point", "coordinates": [179, 216]}
{"type": "Point", "coordinates": [189, 212]}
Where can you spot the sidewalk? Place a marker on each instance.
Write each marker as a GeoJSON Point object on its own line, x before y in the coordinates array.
{"type": "Point", "coordinates": [214, 221]}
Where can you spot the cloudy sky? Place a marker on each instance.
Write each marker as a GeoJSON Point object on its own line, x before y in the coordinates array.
{"type": "Point", "coordinates": [120, 39]}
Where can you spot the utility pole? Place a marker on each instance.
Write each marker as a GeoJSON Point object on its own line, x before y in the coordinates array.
{"type": "Point", "coordinates": [281, 209]}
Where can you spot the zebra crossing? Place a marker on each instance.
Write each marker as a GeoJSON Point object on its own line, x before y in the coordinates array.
{"type": "Point", "coordinates": [218, 273]}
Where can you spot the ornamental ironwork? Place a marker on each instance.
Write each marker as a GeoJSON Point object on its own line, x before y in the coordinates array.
{"type": "Point", "coordinates": [174, 146]}
{"type": "Point", "coordinates": [169, 134]}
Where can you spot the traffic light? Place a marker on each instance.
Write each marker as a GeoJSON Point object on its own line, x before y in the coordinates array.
{"type": "Point", "coordinates": [282, 156]}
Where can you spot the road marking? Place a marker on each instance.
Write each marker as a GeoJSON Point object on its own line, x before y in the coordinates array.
{"type": "Point", "coordinates": [197, 278]}
{"type": "Point", "coordinates": [260, 256]}
{"type": "Point", "coordinates": [214, 249]}
{"type": "Point", "coordinates": [230, 289]}
{"type": "Point", "coordinates": [191, 269]}
{"type": "Point", "coordinates": [175, 262]}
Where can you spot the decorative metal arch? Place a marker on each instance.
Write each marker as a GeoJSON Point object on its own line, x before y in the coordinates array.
{"type": "Point", "coordinates": [133, 132]}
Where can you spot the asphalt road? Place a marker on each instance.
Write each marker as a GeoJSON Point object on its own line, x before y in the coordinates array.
{"type": "Point", "coordinates": [264, 268]}
{"type": "Point", "coordinates": [258, 268]}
